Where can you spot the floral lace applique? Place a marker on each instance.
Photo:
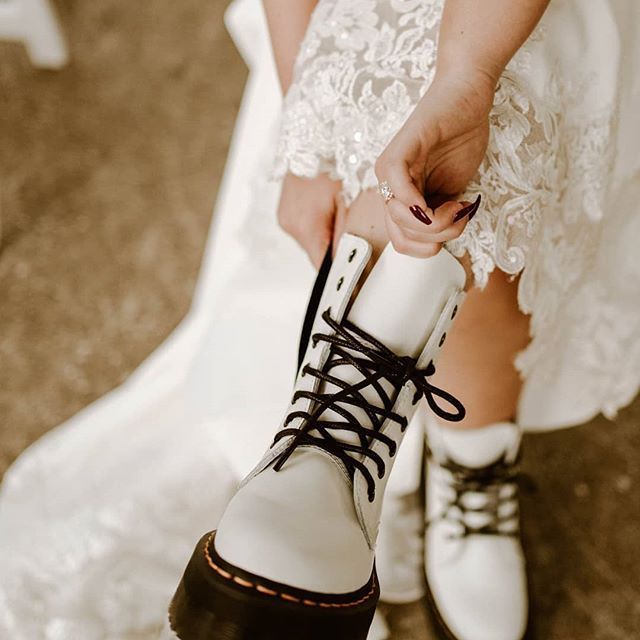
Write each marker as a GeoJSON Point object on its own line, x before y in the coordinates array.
{"type": "Point", "coordinates": [362, 68]}
{"type": "Point", "coordinates": [544, 180]}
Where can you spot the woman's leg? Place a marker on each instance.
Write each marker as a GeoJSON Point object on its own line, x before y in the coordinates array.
{"type": "Point", "coordinates": [477, 542]}
{"type": "Point", "coordinates": [476, 363]}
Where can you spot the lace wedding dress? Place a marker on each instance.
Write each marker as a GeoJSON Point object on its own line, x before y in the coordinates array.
{"type": "Point", "coordinates": [560, 181]}
{"type": "Point", "coordinates": [98, 518]}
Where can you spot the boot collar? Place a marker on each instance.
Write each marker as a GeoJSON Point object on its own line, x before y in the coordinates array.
{"type": "Point", "coordinates": [351, 258]}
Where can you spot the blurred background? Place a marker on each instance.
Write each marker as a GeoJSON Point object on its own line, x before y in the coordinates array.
{"type": "Point", "coordinates": [108, 174]}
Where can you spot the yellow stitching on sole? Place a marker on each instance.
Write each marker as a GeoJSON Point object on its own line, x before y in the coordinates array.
{"type": "Point", "coordinates": [284, 596]}
{"type": "Point", "coordinates": [242, 582]}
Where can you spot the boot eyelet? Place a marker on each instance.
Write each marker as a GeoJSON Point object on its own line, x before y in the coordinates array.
{"type": "Point", "coordinates": [454, 312]}
{"type": "Point", "coordinates": [340, 281]}
{"type": "Point", "coordinates": [442, 339]}
{"type": "Point", "coordinates": [352, 255]}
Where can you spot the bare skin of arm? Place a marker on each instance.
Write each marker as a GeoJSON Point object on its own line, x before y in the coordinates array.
{"type": "Point", "coordinates": [288, 21]}
{"type": "Point", "coordinates": [484, 37]}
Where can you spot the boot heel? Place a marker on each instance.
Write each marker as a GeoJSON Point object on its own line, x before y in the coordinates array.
{"type": "Point", "coordinates": [217, 601]}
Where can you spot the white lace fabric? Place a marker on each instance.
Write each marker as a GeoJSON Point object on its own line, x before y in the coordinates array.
{"type": "Point", "coordinates": [545, 181]}
{"type": "Point", "coordinates": [362, 68]}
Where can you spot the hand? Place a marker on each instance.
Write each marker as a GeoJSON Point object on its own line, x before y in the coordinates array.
{"type": "Point", "coordinates": [436, 152]}
{"type": "Point", "coordinates": [307, 212]}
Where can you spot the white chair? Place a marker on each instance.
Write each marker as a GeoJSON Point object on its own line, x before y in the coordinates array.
{"type": "Point", "coordinates": [34, 23]}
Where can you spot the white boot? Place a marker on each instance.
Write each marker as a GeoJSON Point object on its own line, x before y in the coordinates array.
{"type": "Point", "coordinates": [475, 567]}
{"type": "Point", "coordinates": [293, 556]}
{"type": "Point", "coordinates": [400, 547]}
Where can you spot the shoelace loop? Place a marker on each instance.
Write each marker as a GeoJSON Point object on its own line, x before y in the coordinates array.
{"type": "Point", "coordinates": [350, 345]}
{"type": "Point", "coordinates": [489, 481]}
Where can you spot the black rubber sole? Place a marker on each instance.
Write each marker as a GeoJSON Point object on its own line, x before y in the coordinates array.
{"type": "Point", "coordinates": [217, 601]}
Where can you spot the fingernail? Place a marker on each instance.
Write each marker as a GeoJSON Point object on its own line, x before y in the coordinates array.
{"type": "Point", "coordinates": [419, 214]}
{"type": "Point", "coordinates": [469, 210]}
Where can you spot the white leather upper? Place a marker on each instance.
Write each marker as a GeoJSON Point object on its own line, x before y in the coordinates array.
{"type": "Point", "coordinates": [352, 256]}
{"type": "Point", "coordinates": [307, 525]}
{"type": "Point", "coordinates": [478, 582]}
{"type": "Point", "coordinates": [298, 526]}
{"type": "Point", "coordinates": [369, 512]}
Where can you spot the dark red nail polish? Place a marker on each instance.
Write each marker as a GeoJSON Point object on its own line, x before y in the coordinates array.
{"type": "Point", "coordinates": [469, 210]}
{"type": "Point", "coordinates": [419, 214]}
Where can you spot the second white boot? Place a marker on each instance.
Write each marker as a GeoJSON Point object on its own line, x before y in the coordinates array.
{"type": "Point", "coordinates": [474, 563]}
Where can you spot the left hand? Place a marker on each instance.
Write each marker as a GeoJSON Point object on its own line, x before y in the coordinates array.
{"type": "Point", "coordinates": [308, 210]}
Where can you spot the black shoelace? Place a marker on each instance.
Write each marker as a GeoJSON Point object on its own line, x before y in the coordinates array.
{"type": "Point", "coordinates": [351, 345]}
{"type": "Point", "coordinates": [488, 481]}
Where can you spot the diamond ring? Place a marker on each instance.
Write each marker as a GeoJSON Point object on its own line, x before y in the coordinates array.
{"type": "Point", "coordinates": [385, 191]}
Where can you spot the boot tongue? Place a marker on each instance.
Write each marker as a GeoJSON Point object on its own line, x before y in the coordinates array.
{"type": "Point", "coordinates": [476, 448]}
{"type": "Point", "coordinates": [402, 299]}
{"type": "Point", "coordinates": [399, 305]}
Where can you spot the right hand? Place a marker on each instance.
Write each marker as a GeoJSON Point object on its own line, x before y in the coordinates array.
{"type": "Point", "coordinates": [308, 210]}
{"type": "Point", "coordinates": [435, 154]}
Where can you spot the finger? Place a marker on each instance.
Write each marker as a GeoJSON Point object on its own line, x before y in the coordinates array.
{"type": "Point", "coordinates": [441, 219]}
{"type": "Point", "coordinates": [408, 247]}
{"type": "Point", "coordinates": [317, 251]}
{"type": "Point", "coordinates": [450, 233]}
{"type": "Point", "coordinates": [321, 237]}
{"type": "Point", "coordinates": [396, 173]}
{"type": "Point", "coordinates": [431, 223]}
{"type": "Point", "coordinates": [339, 222]}
{"type": "Point", "coordinates": [404, 218]}
{"type": "Point", "coordinates": [453, 211]}
{"type": "Point", "coordinates": [313, 234]}
{"type": "Point", "coordinates": [315, 248]}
